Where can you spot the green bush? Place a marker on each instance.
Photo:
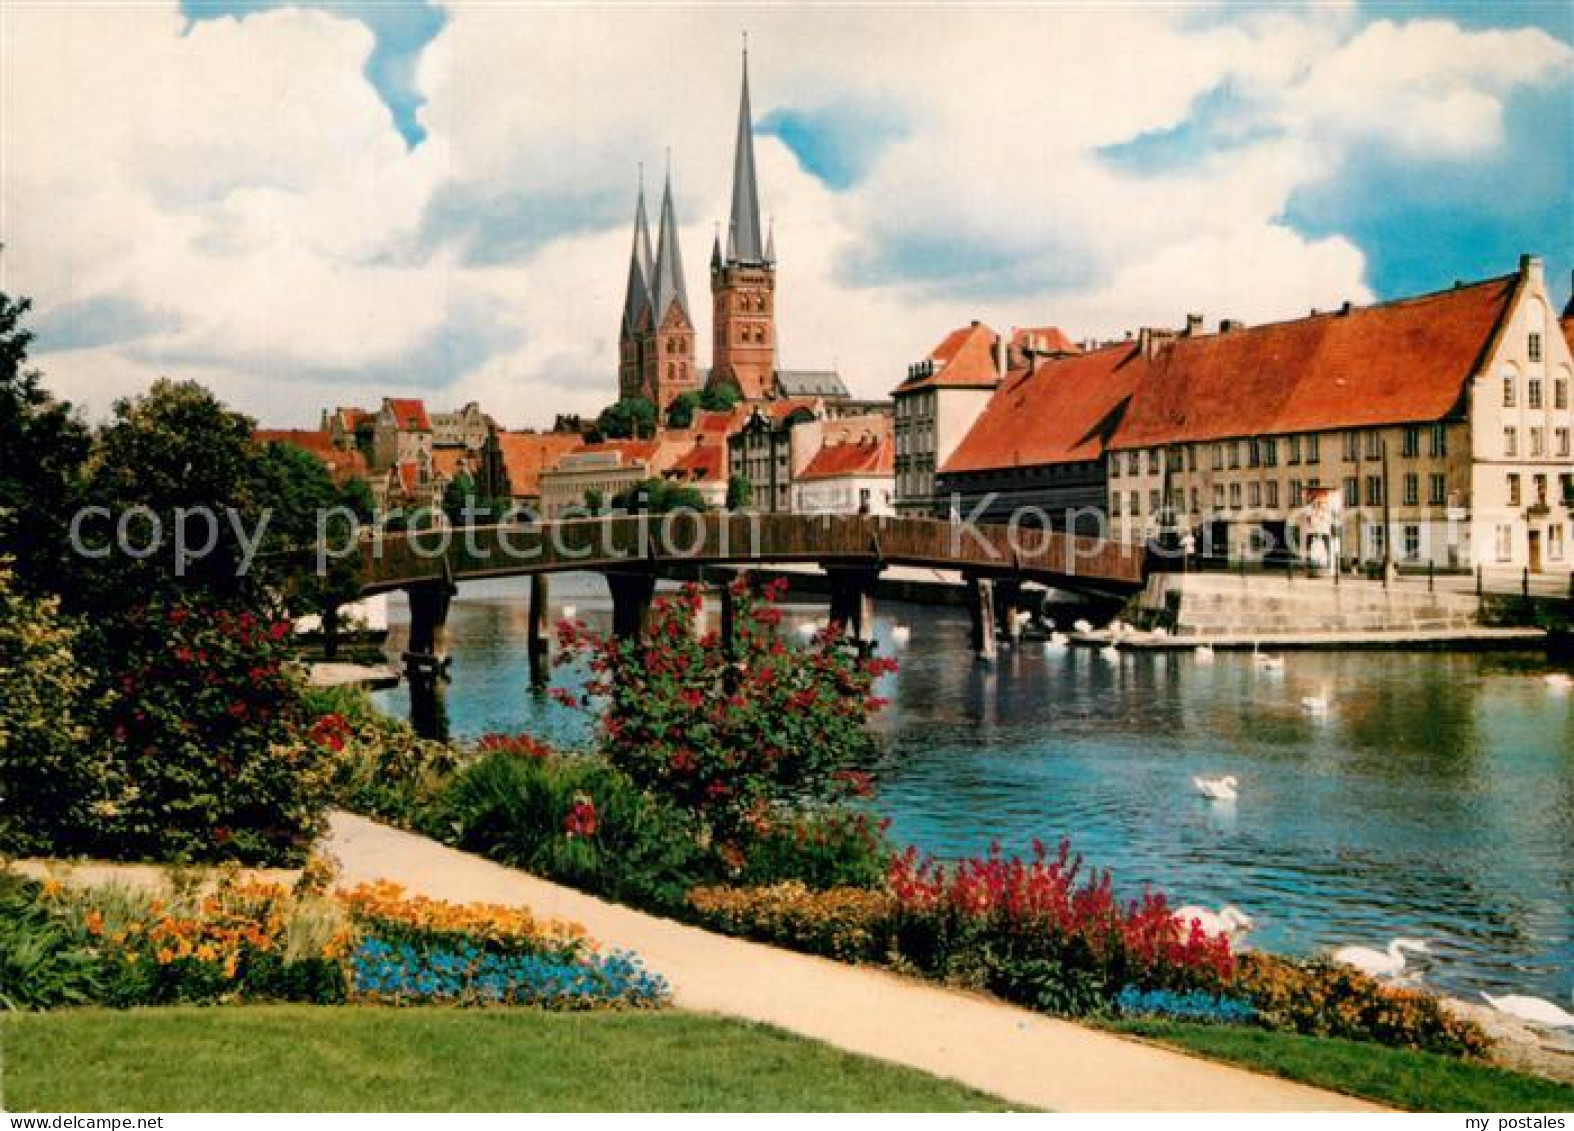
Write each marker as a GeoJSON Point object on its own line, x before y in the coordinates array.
{"type": "Point", "coordinates": [825, 848]}
{"type": "Point", "coordinates": [377, 765]}
{"type": "Point", "coordinates": [576, 819]}
{"type": "Point", "coordinates": [42, 965]}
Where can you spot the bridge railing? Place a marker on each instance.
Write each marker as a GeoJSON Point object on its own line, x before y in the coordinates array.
{"type": "Point", "coordinates": [638, 541]}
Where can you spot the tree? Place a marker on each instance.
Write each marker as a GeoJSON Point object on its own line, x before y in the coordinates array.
{"type": "Point", "coordinates": [740, 492]}
{"type": "Point", "coordinates": [718, 398]}
{"type": "Point", "coordinates": [630, 418]}
{"type": "Point", "coordinates": [42, 448]}
{"type": "Point", "coordinates": [680, 413]}
{"type": "Point", "coordinates": [657, 496]}
{"type": "Point", "coordinates": [595, 501]}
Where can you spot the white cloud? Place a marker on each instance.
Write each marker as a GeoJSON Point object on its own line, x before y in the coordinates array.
{"type": "Point", "coordinates": [243, 181]}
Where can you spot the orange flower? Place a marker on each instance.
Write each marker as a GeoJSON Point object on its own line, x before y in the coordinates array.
{"type": "Point", "coordinates": [94, 922]}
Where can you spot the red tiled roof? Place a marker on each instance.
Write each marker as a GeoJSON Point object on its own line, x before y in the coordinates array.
{"type": "Point", "coordinates": [868, 456]}
{"type": "Point", "coordinates": [527, 454]}
{"type": "Point", "coordinates": [341, 464]}
{"type": "Point", "coordinates": [1062, 412]}
{"type": "Point", "coordinates": [721, 424]}
{"type": "Point", "coordinates": [1049, 338]}
{"type": "Point", "coordinates": [965, 358]}
{"type": "Point", "coordinates": [782, 409]}
{"type": "Point", "coordinates": [1567, 322]}
{"type": "Point", "coordinates": [409, 415]}
{"type": "Point", "coordinates": [1393, 363]}
{"type": "Point", "coordinates": [408, 476]}
{"type": "Point", "coordinates": [701, 463]}
{"type": "Point", "coordinates": [350, 417]}
{"type": "Point", "coordinates": [446, 461]}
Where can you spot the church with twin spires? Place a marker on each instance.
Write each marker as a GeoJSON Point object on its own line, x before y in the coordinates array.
{"type": "Point", "coordinates": [656, 337]}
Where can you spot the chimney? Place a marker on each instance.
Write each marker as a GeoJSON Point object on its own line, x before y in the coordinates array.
{"type": "Point", "coordinates": [1193, 325]}
{"type": "Point", "coordinates": [1230, 325]}
{"type": "Point", "coordinates": [1347, 307]}
{"type": "Point", "coordinates": [1530, 268]}
{"type": "Point", "coordinates": [1000, 355]}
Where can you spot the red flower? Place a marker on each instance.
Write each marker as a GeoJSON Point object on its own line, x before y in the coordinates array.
{"type": "Point", "coordinates": [582, 819]}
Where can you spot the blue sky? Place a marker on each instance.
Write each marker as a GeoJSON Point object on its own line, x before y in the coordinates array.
{"type": "Point", "coordinates": [344, 197]}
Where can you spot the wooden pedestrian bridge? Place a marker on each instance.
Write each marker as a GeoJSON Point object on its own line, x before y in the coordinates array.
{"type": "Point", "coordinates": [632, 551]}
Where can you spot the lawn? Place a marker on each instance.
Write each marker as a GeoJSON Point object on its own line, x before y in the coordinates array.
{"type": "Point", "coordinates": [1416, 1081]}
{"type": "Point", "coordinates": [312, 1058]}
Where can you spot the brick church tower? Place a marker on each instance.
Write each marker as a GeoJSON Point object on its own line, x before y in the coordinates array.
{"type": "Point", "coordinates": [743, 283]}
{"type": "Point", "coordinates": [656, 337]}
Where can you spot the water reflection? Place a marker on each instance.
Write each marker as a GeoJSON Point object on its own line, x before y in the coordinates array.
{"type": "Point", "coordinates": [1435, 798]}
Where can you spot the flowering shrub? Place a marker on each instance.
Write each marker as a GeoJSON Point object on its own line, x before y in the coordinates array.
{"type": "Point", "coordinates": [1195, 1005]}
{"type": "Point", "coordinates": [374, 764]}
{"type": "Point", "coordinates": [402, 973]}
{"type": "Point", "coordinates": [1328, 1000]}
{"type": "Point", "coordinates": [849, 923]}
{"type": "Point", "coordinates": [726, 733]}
{"type": "Point", "coordinates": [1038, 932]}
{"type": "Point", "coordinates": [822, 848]}
{"type": "Point", "coordinates": [383, 909]}
{"type": "Point", "coordinates": [207, 742]}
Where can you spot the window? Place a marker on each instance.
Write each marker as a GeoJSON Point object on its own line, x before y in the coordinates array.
{"type": "Point", "coordinates": [1538, 442]}
{"type": "Point", "coordinates": [1352, 446]}
{"type": "Point", "coordinates": [1218, 457]}
{"type": "Point", "coordinates": [1294, 455]}
{"type": "Point", "coordinates": [1541, 490]}
{"type": "Point", "coordinates": [1153, 502]}
{"type": "Point", "coordinates": [1313, 447]}
{"type": "Point", "coordinates": [1511, 442]}
{"type": "Point", "coordinates": [1374, 445]}
{"type": "Point", "coordinates": [1218, 496]}
{"type": "Point", "coordinates": [1191, 457]}
{"type": "Point", "coordinates": [1412, 542]}
{"type": "Point", "coordinates": [1437, 489]}
{"type": "Point", "coordinates": [1254, 494]}
{"type": "Point", "coordinates": [1253, 453]}
{"type": "Point", "coordinates": [1235, 453]}
{"type": "Point", "coordinates": [1270, 452]}
{"type": "Point", "coordinates": [1374, 490]}
{"type": "Point", "coordinates": [1560, 437]}
{"type": "Point", "coordinates": [1352, 492]}
{"type": "Point", "coordinates": [1196, 501]}
{"type": "Point", "coordinates": [1555, 541]}
{"type": "Point", "coordinates": [1273, 495]}
{"type": "Point", "coordinates": [1534, 392]}
{"type": "Point", "coordinates": [1235, 496]}
{"type": "Point", "coordinates": [1153, 461]}
{"type": "Point", "coordinates": [1412, 489]}
{"type": "Point", "coordinates": [1533, 346]}
{"type": "Point", "coordinates": [1136, 504]}
{"type": "Point", "coordinates": [1412, 442]}
{"type": "Point", "coordinates": [1508, 392]}
{"type": "Point", "coordinates": [1560, 393]}
{"type": "Point", "coordinates": [1114, 501]}
{"type": "Point", "coordinates": [1505, 542]}
{"type": "Point", "coordinates": [1134, 463]}
{"type": "Point", "coordinates": [1513, 490]}
{"type": "Point", "coordinates": [1374, 540]}
{"type": "Point", "coordinates": [1439, 440]}
{"type": "Point", "coordinates": [1296, 498]}
{"type": "Point", "coordinates": [1114, 468]}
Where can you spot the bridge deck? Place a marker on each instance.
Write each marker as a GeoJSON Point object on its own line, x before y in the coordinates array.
{"type": "Point", "coordinates": [633, 542]}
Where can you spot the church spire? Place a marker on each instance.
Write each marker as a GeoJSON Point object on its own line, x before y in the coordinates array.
{"type": "Point", "coordinates": [744, 233]}
{"type": "Point", "coordinates": [637, 296]}
{"type": "Point", "coordinates": [668, 286]}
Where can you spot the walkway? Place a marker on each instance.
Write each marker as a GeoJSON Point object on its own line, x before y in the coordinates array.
{"type": "Point", "coordinates": [1021, 1056]}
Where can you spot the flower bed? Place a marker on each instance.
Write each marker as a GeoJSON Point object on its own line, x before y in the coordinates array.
{"type": "Point", "coordinates": [245, 941]}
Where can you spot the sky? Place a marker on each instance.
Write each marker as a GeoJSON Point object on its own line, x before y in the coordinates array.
{"type": "Point", "coordinates": [322, 203]}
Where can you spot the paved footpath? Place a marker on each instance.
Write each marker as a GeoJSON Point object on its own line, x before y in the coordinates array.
{"type": "Point", "coordinates": [1020, 1056]}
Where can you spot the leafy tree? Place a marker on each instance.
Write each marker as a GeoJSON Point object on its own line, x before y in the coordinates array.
{"type": "Point", "coordinates": [628, 419]}
{"type": "Point", "coordinates": [718, 398]}
{"type": "Point", "coordinates": [42, 448]}
{"type": "Point", "coordinates": [680, 413]}
{"type": "Point", "coordinates": [595, 501]}
{"type": "Point", "coordinates": [740, 492]}
{"type": "Point", "coordinates": [657, 496]}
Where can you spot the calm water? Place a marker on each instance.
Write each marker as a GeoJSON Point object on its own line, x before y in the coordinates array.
{"type": "Point", "coordinates": [1435, 799]}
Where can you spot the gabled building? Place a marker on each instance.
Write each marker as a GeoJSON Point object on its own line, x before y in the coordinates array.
{"type": "Point", "coordinates": [848, 475]}
{"type": "Point", "coordinates": [935, 406]}
{"type": "Point", "coordinates": [761, 451]}
{"type": "Point", "coordinates": [401, 433]}
{"type": "Point", "coordinates": [463, 428]}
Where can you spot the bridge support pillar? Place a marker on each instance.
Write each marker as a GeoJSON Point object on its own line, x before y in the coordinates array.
{"type": "Point", "coordinates": [852, 601]}
{"type": "Point", "coordinates": [631, 596]}
{"type": "Point", "coordinates": [1009, 602]}
{"type": "Point", "coordinates": [535, 629]}
{"type": "Point", "coordinates": [426, 652]}
{"type": "Point", "coordinates": [981, 604]}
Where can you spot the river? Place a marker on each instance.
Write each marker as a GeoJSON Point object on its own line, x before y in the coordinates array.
{"type": "Point", "coordinates": [1434, 799]}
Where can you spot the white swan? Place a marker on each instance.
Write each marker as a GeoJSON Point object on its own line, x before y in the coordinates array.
{"type": "Point", "coordinates": [1080, 625]}
{"type": "Point", "coordinates": [1265, 661]}
{"type": "Point", "coordinates": [1216, 789]}
{"type": "Point", "coordinates": [1203, 653]}
{"type": "Point", "coordinates": [1227, 921]}
{"type": "Point", "coordinates": [901, 634]}
{"type": "Point", "coordinates": [1538, 1011]}
{"type": "Point", "coordinates": [1057, 640]}
{"type": "Point", "coordinates": [1559, 681]}
{"type": "Point", "coordinates": [1110, 652]}
{"type": "Point", "coordinates": [1380, 963]}
{"type": "Point", "coordinates": [1316, 704]}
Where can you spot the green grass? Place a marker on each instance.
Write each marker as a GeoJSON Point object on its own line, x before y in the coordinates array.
{"type": "Point", "coordinates": [305, 1058]}
{"type": "Point", "coordinates": [1416, 1081]}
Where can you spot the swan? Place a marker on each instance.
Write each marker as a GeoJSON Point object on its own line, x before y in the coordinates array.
{"type": "Point", "coordinates": [1216, 789]}
{"type": "Point", "coordinates": [1316, 704]}
{"type": "Point", "coordinates": [1380, 963]}
{"type": "Point", "coordinates": [1559, 681]}
{"type": "Point", "coordinates": [1538, 1011]}
{"type": "Point", "coordinates": [1081, 625]}
{"type": "Point", "coordinates": [1056, 640]}
{"type": "Point", "coordinates": [1203, 653]}
{"type": "Point", "coordinates": [1265, 661]}
{"type": "Point", "coordinates": [901, 634]}
{"type": "Point", "coordinates": [569, 612]}
{"type": "Point", "coordinates": [1227, 921]}
{"type": "Point", "coordinates": [1160, 633]}
{"type": "Point", "coordinates": [1110, 652]}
